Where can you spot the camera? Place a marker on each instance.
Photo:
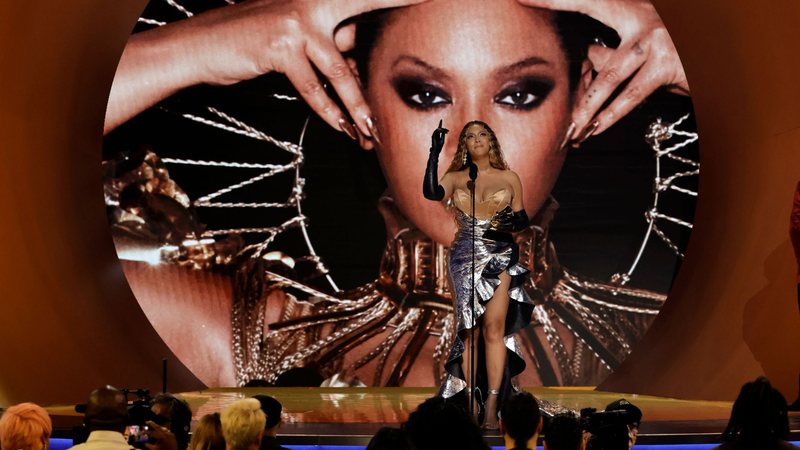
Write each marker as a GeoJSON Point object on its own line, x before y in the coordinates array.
{"type": "Point", "coordinates": [609, 429]}
{"type": "Point", "coordinates": [139, 413]}
{"type": "Point", "coordinates": [593, 420]}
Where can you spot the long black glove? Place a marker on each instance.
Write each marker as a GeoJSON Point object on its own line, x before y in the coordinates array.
{"type": "Point", "coordinates": [431, 188]}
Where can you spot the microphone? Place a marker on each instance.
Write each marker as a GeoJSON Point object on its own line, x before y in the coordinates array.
{"type": "Point", "coordinates": [473, 173]}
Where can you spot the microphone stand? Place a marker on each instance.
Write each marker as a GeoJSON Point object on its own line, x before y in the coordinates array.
{"type": "Point", "coordinates": [473, 175]}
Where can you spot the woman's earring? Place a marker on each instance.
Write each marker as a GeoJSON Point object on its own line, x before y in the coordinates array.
{"type": "Point", "coordinates": [464, 159]}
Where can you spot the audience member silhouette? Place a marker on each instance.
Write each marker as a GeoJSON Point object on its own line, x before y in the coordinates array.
{"type": "Point", "coordinates": [175, 414]}
{"type": "Point", "coordinates": [388, 438]}
{"type": "Point", "coordinates": [634, 415]}
{"type": "Point", "coordinates": [243, 424]}
{"type": "Point", "coordinates": [520, 421]}
{"type": "Point", "coordinates": [207, 435]}
{"type": "Point", "coordinates": [106, 417]}
{"type": "Point", "coordinates": [437, 424]}
{"type": "Point", "coordinates": [759, 419]}
{"type": "Point", "coordinates": [272, 408]}
{"type": "Point", "coordinates": [563, 432]}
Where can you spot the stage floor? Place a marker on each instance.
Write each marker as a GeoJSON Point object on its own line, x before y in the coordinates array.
{"type": "Point", "coordinates": [350, 416]}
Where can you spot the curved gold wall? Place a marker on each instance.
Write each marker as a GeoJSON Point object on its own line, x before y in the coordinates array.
{"type": "Point", "coordinates": [68, 320]}
{"type": "Point", "coordinates": [732, 313]}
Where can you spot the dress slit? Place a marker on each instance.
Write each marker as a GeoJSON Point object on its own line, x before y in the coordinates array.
{"type": "Point", "coordinates": [495, 253]}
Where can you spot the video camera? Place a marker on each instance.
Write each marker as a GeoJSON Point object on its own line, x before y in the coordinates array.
{"type": "Point", "coordinates": [593, 420]}
{"type": "Point", "coordinates": [609, 429]}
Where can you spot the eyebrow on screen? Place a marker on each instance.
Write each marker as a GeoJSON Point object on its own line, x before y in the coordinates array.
{"type": "Point", "coordinates": [522, 64]}
{"type": "Point", "coordinates": [435, 71]}
{"type": "Point", "coordinates": [506, 70]}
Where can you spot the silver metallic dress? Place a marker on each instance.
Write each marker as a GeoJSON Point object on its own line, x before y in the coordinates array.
{"type": "Point", "coordinates": [495, 252]}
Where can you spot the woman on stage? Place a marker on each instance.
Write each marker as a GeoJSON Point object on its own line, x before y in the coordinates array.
{"type": "Point", "coordinates": [490, 304]}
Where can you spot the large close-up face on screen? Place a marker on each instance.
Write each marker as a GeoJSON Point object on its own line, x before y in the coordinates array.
{"type": "Point", "coordinates": [264, 244]}
{"type": "Point", "coordinates": [498, 62]}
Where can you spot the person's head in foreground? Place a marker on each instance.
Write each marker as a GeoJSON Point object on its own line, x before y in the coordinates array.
{"type": "Point", "coordinates": [25, 426]}
{"type": "Point", "coordinates": [520, 421]}
{"type": "Point", "coordinates": [634, 418]}
{"type": "Point", "coordinates": [564, 432]}
{"type": "Point", "coordinates": [106, 410]}
{"type": "Point", "coordinates": [207, 435]}
{"type": "Point", "coordinates": [175, 414]}
{"type": "Point", "coordinates": [388, 438]}
{"type": "Point", "coordinates": [243, 424]}
{"type": "Point", "coordinates": [272, 408]}
{"type": "Point", "coordinates": [438, 423]}
{"type": "Point", "coordinates": [759, 416]}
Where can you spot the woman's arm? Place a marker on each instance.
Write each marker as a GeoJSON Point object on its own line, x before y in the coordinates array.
{"type": "Point", "coordinates": [448, 182]}
{"type": "Point", "coordinates": [516, 203]}
{"type": "Point", "coordinates": [242, 41]}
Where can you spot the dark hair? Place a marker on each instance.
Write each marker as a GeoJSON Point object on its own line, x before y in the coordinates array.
{"type": "Point", "coordinates": [388, 438]}
{"type": "Point", "coordinates": [438, 423]}
{"type": "Point", "coordinates": [758, 415]}
{"type": "Point", "coordinates": [271, 407]}
{"type": "Point", "coordinates": [632, 412]}
{"type": "Point", "coordinates": [107, 409]}
{"type": "Point", "coordinates": [563, 432]}
{"type": "Point", "coordinates": [179, 415]}
{"type": "Point", "coordinates": [575, 31]}
{"type": "Point", "coordinates": [520, 415]}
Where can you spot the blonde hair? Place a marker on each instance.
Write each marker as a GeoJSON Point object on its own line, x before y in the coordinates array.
{"type": "Point", "coordinates": [242, 422]}
{"type": "Point", "coordinates": [208, 434]}
{"type": "Point", "coordinates": [461, 158]}
{"type": "Point", "coordinates": [24, 425]}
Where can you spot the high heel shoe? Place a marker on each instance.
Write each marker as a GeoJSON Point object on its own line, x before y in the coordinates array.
{"type": "Point", "coordinates": [490, 422]}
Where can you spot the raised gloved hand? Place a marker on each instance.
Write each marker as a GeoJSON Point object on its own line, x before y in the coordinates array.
{"type": "Point", "coordinates": [431, 188]}
{"type": "Point", "coordinates": [437, 139]}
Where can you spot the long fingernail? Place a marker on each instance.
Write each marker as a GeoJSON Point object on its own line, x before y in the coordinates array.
{"type": "Point", "coordinates": [568, 134]}
{"type": "Point", "coordinates": [348, 128]}
{"type": "Point", "coordinates": [586, 133]}
{"type": "Point", "coordinates": [372, 126]}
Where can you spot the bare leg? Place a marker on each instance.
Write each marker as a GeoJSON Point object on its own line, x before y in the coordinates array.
{"type": "Point", "coordinates": [494, 322]}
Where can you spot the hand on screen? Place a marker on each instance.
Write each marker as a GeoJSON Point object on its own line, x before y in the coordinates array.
{"type": "Point", "coordinates": [646, 59]}
{"type": "Point", "coordinates": [242, 41]}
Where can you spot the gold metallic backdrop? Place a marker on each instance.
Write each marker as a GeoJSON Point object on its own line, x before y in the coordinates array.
{"type": "Point", "coordinates": [68, 320]}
